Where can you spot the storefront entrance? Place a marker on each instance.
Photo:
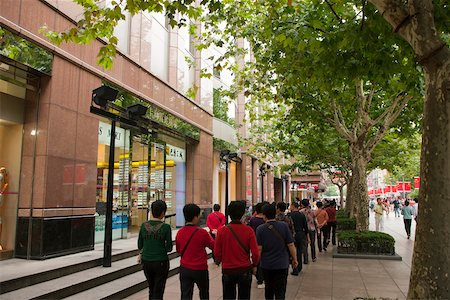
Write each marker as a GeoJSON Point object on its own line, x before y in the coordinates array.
{"type": "Point", "coordinates": [146, 169]}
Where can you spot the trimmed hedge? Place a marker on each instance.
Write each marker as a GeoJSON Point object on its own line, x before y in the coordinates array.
{"type": "Point", "coordinates": [342, 214]}
{"type": "Point", "coordinates": [365, 242]}
{"type": "Point", "coordinates": [346, 224]}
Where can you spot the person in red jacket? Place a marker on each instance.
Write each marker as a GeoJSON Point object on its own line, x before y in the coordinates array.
{"type": "Point", "coordinates": [237, 250]}
{"type": "Point", "coordinates": [191, 242]}
{"type": "Point", "coordinates": [215, 220]}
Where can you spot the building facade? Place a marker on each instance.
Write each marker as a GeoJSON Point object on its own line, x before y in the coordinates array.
{"type": "Point", "coordinates": [56, 152]}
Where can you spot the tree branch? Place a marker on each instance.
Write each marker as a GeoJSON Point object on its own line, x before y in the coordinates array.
{"type": "Point", "coordinates": [392, 114]}
{"type": "Point", "coordinates": [334, 12]}
{"type": "Point", "coordinates": [339, 123]}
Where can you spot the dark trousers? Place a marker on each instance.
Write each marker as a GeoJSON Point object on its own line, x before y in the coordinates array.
{"type": "Point", "coordinates": [326, 236]}
{"type": "Point", "coordinates": [332, 232]}
{"type": "Point", "coordinates": [242, 281]}
{"type": "Point", "coordinates": [299, 237]}
{"type": "Point", "coordinates": [320, 238]}
{"type": "Point", "coordinates": [259, 275]}
{"type": "Point", "coordinates": [156, 274]}
{"type": "Point", "coordinates": [312, 238]}
{"type": "Point", "coordinates": [187, 279]}
{"type": "Point", "coordinates": [408, 226]}
{"type": "Point", "coordinates": [275, 281]}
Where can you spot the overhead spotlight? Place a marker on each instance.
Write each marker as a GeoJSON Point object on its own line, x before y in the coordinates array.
{"type": "Point", "coordinates": [224, 153]}
{"type": "Point", "coordinates": [137, 110]}
{"type": "Point", "coordinates": [102, 95]}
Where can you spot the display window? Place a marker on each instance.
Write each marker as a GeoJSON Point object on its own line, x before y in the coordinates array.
{"type": "Point", "coordinates": [14, 83]}
{"type": "Point", "coordinates": [146, 169]}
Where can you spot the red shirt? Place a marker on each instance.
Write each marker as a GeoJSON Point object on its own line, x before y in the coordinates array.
{"type": "Point", "coordinates": [331, 211]}
{"type": "Point", "coordinates": [230, 253]}
{"type": "Point", "coordinates": [195, 257]}
{"type": "Point", "coordinates": [215, 220]}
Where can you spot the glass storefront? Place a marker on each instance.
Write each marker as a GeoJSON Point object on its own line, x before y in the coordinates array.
{"type": "Point", "coordinates": [14, 83]}
{"type": "Point", "coordinates": [145, 170]}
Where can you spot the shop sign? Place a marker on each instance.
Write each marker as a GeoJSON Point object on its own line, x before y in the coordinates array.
{"type": "Point", "coordinates": [175, 153]}
{"type": "Point", "coordinates": [104, 135]}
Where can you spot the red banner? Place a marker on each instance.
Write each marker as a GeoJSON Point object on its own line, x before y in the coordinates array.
{"type": "Point", "coordinates": [379, 190]}
{"type": "Point", "coordinates": [394, 188]}
{"type": "Point", "coordinates": [407, 186]}
{"type": "Point", "coordinates": [387, 189]}
{"type": "Point", "coordinates": [400, 186]}
{"type": "Point", "coordinates": [416, 182]}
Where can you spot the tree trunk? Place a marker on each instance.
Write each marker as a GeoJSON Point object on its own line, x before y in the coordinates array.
{"type": "Point", "coordinates": [341, 196]}
{"type": "Point", "coordinates": [430, 278]}
{"type": "Point", "coordinates": [359, 190]}
{"type": "Point", "coordinates": [349, 200]}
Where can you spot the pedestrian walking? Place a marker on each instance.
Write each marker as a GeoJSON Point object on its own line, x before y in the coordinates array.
{"type": "Point", "coordinates": [331, 211]}
{"type": "Point", "coordinates": [281, 216]}
{"type": "Point", "coordinates": [275, 242]}
{"type": "Point", "coordinates": [397, 205]}
{"type": "Point", "coordinates": [215, 220]}
{"type": "Point", "coordinates": [237, 250]}
{"type": "Point", "coordinates": [408, 213]}
{"type": "Point", "coordinates": [301, 233]}
{"type": "Point", "coordinates": [154, 242]}
{"type": "Point", "coordinates": [191, 243]}
{"type": "Point", "coordinates": [379, 212]}
{"type": "Point", "coordinates": [310, 218]}
{"type": "Point", "coordinates": [255, 222]}
{"type": "Point", "coordinates": [322, 220]}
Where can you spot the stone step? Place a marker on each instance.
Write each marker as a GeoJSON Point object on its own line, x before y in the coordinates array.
{"type": "Point", "coordinates": [80, 281]}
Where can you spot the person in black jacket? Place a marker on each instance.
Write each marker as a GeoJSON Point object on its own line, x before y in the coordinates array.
{"type": "Point", "coordinates": [301, 233]}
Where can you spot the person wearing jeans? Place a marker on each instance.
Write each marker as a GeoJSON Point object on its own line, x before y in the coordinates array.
{"type": "Point", "coordinates": [191, 242]}
{"type": "Point", "coordinates": [275, 243]}
{"type": "Point", "coordinates": [234, 244]}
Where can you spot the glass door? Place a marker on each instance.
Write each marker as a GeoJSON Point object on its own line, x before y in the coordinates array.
{"type": "Point", "coordinates": [138, 207]}
{"type": "Point", "coordinates": [158, 171]}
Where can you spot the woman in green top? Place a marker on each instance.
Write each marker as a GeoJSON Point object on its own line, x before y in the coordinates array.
{"type": "Point", "coordinates": [407, 212]}
{"type": "Point", "coordinates": [155, 241]}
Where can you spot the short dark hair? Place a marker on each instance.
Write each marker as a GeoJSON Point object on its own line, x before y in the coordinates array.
{"type": "Point", "coordinates": [305, 202]}
{"type": "Point", "coordinates": [158, 207]}
{"type": "Point", "coordinates": [216, 207]}
{"type": "Point", "coordinates": [190, 211]}
{"type": "Point", "coordinates": [258, 208]}
{"type": "Point", "coordinates": [295, 204]}
{"type": "Point", "coordinates": [281, 206]}
{"type": "Point", "coordinates": [236, 209]}
{"type": "Point", "coordinates": [269, 211]}
{"type": "Point", "coordinates": [319, 204]}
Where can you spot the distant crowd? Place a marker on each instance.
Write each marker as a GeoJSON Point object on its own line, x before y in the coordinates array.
{"type": "Point", "coordinates": [264, 241]}
{"type": "Point", "coordinates": [408, 208]}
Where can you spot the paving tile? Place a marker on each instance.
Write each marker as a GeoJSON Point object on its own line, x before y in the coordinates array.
{"type": "Point", "coordinates": [381, 293]}
{"type": "Point", "coordinates": [348, 293]}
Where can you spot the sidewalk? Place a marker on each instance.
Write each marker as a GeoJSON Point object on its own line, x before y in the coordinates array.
{"type": "Point", "coordinates": [332, 278]}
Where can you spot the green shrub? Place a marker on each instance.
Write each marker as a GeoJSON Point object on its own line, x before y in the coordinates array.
{"type": "Point", "coordinates": [346, 224]}
{"type": "Point", "coordinates": [342, 214]}
{"type": "Point", "coordinates": [367, 242]}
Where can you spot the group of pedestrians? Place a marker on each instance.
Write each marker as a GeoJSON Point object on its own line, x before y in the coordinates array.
{"type": "Point", "coordinates": [401, 207]}
{"type": "Point", "coordinates": [266, 247]}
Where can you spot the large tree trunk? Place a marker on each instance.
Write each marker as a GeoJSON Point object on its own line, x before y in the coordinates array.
{"type": "Point", "coordinates": [415, 22]}
{"type": "Point", "coordinates": [430, 278]}
{"type": "Point", "coordinates": [349, 201]}
{"type": "Point", "coordinates": [359, 190]}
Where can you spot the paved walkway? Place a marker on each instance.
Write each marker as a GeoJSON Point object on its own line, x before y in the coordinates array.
{"type": "Point", "coordinates": [332, 278]}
